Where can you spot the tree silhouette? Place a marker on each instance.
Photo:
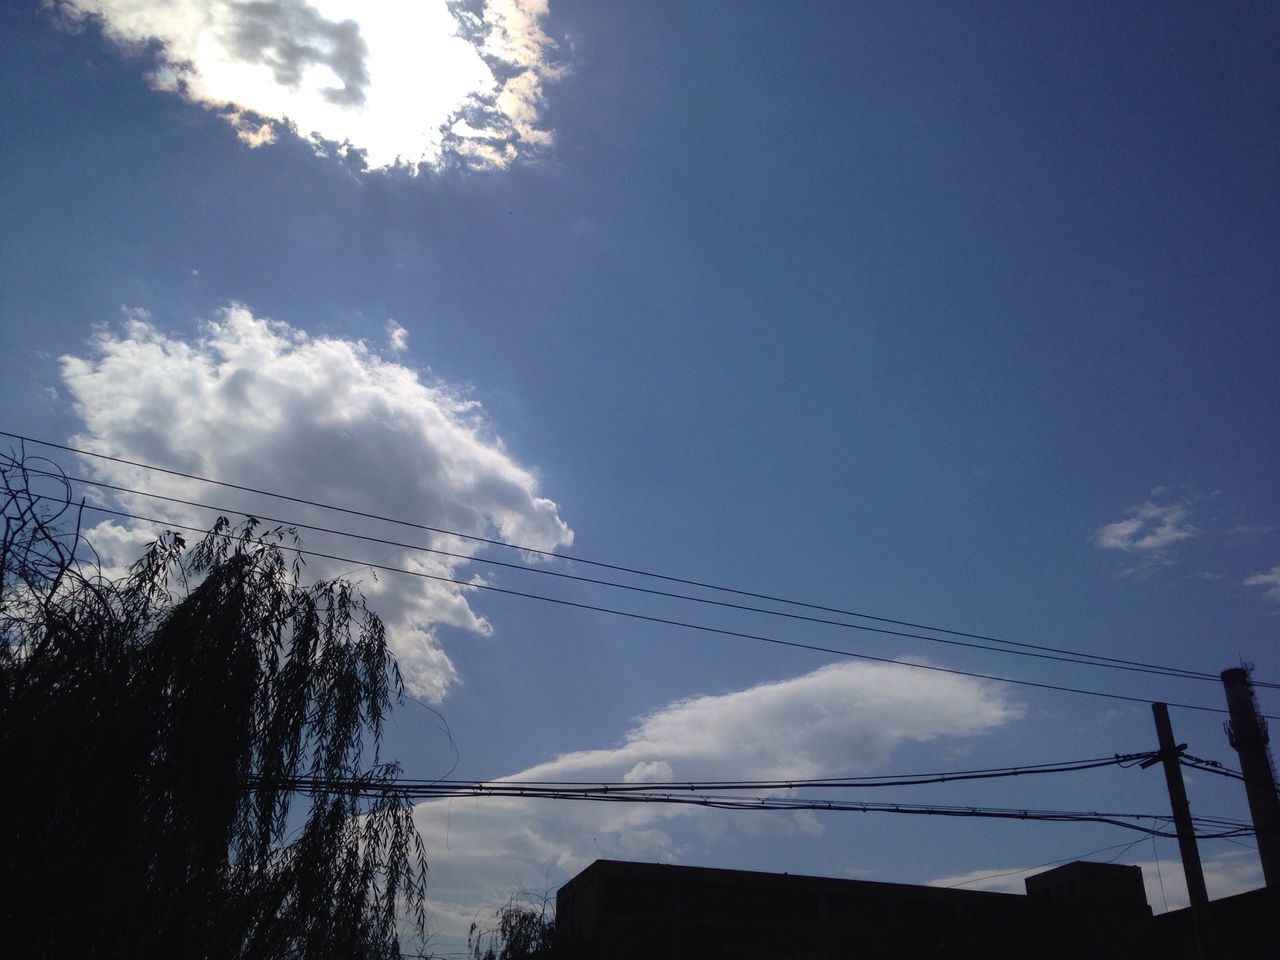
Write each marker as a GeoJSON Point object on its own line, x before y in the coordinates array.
{"type": "Point", "coordinates": [150, 730]}
{"type": "Point", "coordinates": [525, 929]}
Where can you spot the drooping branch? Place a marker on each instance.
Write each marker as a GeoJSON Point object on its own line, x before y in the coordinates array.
{"type": "Point", "coordinates": [156, 732]}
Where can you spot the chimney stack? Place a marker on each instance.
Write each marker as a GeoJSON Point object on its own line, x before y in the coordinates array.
{"type": "Point", "coordinates": [1247, 732]}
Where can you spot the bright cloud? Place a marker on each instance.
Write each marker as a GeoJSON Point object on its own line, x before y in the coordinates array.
{"type": "Point", "coordinates": [1149, 528]}
{"type": "Point", "coordinates": [843, 719]}
{"type": "Point", "coordinates": [397, 336]}
{"type": "Point", "coordinates": [265, 405]}
{"type": "Point", "coordinates": [1225, 875]}
{"type": "Point", "coordinates": [404, 81]}
{"type": "Point", "coordinates": [1269, 580]}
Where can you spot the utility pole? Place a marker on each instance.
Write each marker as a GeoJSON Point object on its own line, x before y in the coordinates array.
{"type": "Point", "coordinates": [1248, 734]}
{"type": "Point", "coordinates": [1169, 753]}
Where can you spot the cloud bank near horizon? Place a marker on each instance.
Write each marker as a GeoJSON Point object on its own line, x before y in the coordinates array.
{"type": "Point", "coordinates": [265, 405]}
{"type": "Point", "coordinates": [402, 82]}
{"type": "Point", "coordinates": [839, 720]}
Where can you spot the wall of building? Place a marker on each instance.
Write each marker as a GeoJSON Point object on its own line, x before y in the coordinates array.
{"type": "Point", "coordinates": [615, 910]}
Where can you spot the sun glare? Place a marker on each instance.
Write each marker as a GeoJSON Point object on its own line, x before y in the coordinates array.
{"type": "Point", "coordinates": [406, 82]}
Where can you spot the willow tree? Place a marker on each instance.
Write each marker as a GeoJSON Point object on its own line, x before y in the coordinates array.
{"type": "Point", "coordinates": [153, 732]}
{"type": "Point", "coordinates": [524, 928]}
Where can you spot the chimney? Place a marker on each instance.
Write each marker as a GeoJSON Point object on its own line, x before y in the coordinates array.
{"type": "Point", "coordinates": [1247, 732]}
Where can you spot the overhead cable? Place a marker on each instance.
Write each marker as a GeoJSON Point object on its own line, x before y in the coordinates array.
{"type": "Point", "coordinates": [1212, 827]}
{"type": "Point", "coordinates": [839, 783]}
{"type": "Point", "coordinates": [620, 567]}
{"type": "Point", "coordinates": [701, 628]}
{"type": "Point", "coordinates": [1213, 766]}
{"type": "Point", "coordinates": [1103, 663]}
{"type": "Point", "coordinates": [983, 876]}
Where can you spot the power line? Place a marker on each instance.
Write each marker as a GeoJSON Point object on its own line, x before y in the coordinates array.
{"type": "Point", "coordinates": [1160, 876]}
{"type": "Point", "coordinates": [702, 628]}
{"type": "Point", "coordinates": [697, 792]}
{"type": "Point", "coordinates": [1123, 848]}
{"type": "Point", "coordinates": [1215, 827]}
{"type": "Point", "coordinates": [523, 568]}
{"type": "Point", "coordinates": [1213, 766]}
{"type": "Point", "coordinates": [844, 783]}
{"type": "Point", "coordinates": [626, 569]}
{"type": "Point", "coordinates": [1239, 843]}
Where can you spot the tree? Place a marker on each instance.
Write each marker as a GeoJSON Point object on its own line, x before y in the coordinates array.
{"type": "Point", "coordinates": [154, 729]}
{"type": "Point", "coordinates": [525, 930]}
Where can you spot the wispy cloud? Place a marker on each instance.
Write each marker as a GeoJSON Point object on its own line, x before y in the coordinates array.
{"type": "Point", "coordinates": [1270, 581]}
{"type": "Point", "coordinates": [400, 81]}
{"type": "Point", "coordinates": [838, 720]}
{"type": "Point", "coordinates": [397, 336]}
{"type": "Point", "coordinates": [1150, 528]}
{"type": "Point", "coordinates": [846, 716]}
{"type": "Point", "coordinates": [263, 404]}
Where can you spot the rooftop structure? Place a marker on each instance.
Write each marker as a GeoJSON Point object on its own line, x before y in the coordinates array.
{"type": "Point", "coordinates": [614, 910]}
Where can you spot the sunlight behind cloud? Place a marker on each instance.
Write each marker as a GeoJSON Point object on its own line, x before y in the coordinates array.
{"type": "Point", "coordinates": [402, 81]}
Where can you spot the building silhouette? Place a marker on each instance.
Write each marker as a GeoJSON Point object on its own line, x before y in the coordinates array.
{"type": "Point", "coordinates": [615, 910]}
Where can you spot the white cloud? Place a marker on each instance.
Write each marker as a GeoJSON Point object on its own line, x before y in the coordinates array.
{"type": "Point", "coordinates": [265, 405]}
{"type": "Point", "coordinates": [843, 719]}
{"type": "Point", "coordinates": [1225, 874]}
{"type": "Point", "coordinates": [392, 78]}
{"type": "Point", "coordinates": [1150, 528]}
{"type": "Point", "coordinates": [1270, 580]}
{"type": "Point", "coordinates": [397, 336]}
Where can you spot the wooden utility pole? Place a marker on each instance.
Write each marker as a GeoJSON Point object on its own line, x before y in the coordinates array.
{"type": "Point", "coordinates": [1169, 753]}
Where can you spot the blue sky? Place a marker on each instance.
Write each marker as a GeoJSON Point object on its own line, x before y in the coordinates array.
{"type": "Point", "coordinates": [958, 314]}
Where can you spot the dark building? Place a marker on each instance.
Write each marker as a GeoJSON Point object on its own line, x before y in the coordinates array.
{"type": "Point", "coordinates": [618, 911]}
{"type": "Point", "coordinates": [1244, 926]}
{"type": "Point", "coordinates": [1090, 883]}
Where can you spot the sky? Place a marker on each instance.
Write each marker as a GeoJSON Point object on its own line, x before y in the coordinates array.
{"type": "Point", "coordinates": [960, 315]}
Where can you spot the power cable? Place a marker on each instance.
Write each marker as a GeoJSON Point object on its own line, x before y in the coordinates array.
{"type": "Point", "coordinates": [1213, 766]}
{"type": "Point", "coordinates": [899, 780]}
{"type": "Point", "coordinates": [1159, 875]}
{"type": "Point", "coordinates": [702, 628]}
{"type": "Point", "coordinates": [523, 568]}
{"type": "Point", "coordinates": [1221, 828]}
{"type": "Point", "coordinates": [619, 567]}
{"type": "Point", "coordinates": [1122, 847]}
{"type": "Point", "coordinates": [1240, 843]}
